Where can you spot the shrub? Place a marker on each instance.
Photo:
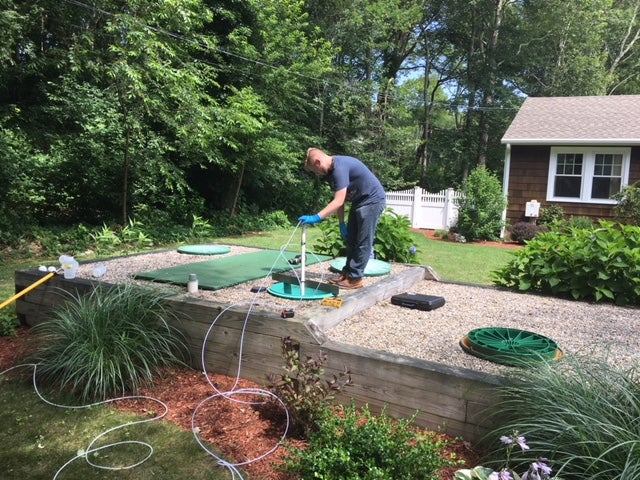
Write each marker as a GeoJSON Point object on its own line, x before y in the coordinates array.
{"type": "Point", "coordinates": [480, 209]}
{"type": "Point", "coordinates": [579, 223]}
{"type": "Point", "coordinates": [9, 323]}
{"type": "Point", "coordinates": [581, 413]}
{"type": "Point", "coordinates": [550, 215]}
{"type": "Point", "coordinates": [107, 343]}
{"type": "Point", "coordinates": [302, 387]}
{"type": "Point", "coordinates": [393, 242]}
{"type": "Point", "coordinates": [628, 208]}
{"type": "Point", "coordinates": [522, 232]}
{"type": "Point", "coordinates": [600, 263]}
{"type": "Point", "coordinates": [352, 444]}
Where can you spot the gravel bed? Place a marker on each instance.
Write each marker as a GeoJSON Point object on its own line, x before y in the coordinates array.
{"type": "Point", "coordinates": [577, 327]}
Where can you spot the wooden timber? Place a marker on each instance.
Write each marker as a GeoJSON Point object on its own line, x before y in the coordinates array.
{"type": "Point", "coordinates": [447, 398]}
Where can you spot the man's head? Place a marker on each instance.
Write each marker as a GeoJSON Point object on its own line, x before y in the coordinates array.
{"type": "Point", "coordinates": [318, 162]}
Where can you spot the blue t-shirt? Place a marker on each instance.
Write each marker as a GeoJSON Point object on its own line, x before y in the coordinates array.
{"type": "Point", "coordinates": [363, 187]}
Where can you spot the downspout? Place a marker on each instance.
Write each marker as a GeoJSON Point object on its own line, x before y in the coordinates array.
{"type": "Point", "coordinates": [505, 186]}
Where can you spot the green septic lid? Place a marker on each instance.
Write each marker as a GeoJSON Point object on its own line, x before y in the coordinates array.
{"type": "Point", "coordinates": [293, 291]}
{"type": "Point", "coordinates": [204, 249]}
{"type": "Point", "coordinates": [510, 346]}
{"type": "Point", "coordinates": [374, 268]}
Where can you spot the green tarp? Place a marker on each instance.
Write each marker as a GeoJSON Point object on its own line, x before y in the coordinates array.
{"type": "Point", "coordinates": [232, 270]}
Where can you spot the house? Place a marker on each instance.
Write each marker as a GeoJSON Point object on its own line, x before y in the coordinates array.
{"type": "Point", "coordinates": [575, 152]}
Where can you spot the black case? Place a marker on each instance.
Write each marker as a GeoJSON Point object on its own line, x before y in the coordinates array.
{"type": "Point", "coordinates": [418, 301]}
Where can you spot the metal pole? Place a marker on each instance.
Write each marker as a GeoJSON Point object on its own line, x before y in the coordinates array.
{"type": "Point", "coordinates": [27, 290]}
{"type": "Point", "coordinates": [303, 260]}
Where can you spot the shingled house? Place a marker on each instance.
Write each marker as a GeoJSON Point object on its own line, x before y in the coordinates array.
{"type": "Point", "coordinates": [575, 152]}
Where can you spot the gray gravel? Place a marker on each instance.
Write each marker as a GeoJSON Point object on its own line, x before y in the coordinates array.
{"type": "Point", "coordinates": [577, 327]}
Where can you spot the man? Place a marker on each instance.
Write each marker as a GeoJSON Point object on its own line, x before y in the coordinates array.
{"type": "Point", "coordinates": [352, 181]}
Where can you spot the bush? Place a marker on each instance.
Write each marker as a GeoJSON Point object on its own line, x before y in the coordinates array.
{"type": "Point", "coordinates": [302, 387]}
{"type": "Point", "coordinates": [628, 208]}
{"type": "Point", "coordinates": [352, 444]}
{"type": "Point", "coordinates": [393, 242]}
{"type": "Point", "coordinates": [522, 232]}
{"type": "Point", "coordinates": [600, 263]}
{"type": "Point", "coordinates": [480, 209]}
{"type": "Point", "coordinates": [550, 215]}
{"type": "Point", "coordinates": [9, 323]}
{"type": "Point", "coordinates": [581, 413]}
{"type": "Point", "coordinates": [107, 343]}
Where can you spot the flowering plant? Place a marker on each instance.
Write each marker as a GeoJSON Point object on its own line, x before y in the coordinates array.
{"type": "Point", "coordinates": [538, 470]}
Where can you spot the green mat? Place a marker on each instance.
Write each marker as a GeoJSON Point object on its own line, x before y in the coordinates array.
{"type": "Point", "coordinates": [228, 271]}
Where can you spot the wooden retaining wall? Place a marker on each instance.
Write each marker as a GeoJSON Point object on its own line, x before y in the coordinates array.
{"type": "Point", "coordinates": [447, 398]}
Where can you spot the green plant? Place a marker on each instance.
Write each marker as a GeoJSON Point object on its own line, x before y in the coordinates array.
{"type": "Point", "coordinates": [628, 208]}
{"type": "Point", "coordinates": [330, 241]}
{"type": "Point", "coordinates": [354, 444]}
{"type": "Point", "coordinates": [600, 263]}
{"type": "Point", "coordinates": [9, 323]}
{"type": "Point", "coordinates": [537, 470]}
{"type": "Point", "coordinates": [134, 235]}
{"type": "Point", "coordinates": [302, 387]}
{"type": "Point", "coordinates": [480, 208]}
{"type": "Point", "coordinates": [108, 342]}
{"type": "Point", "coordinates": [580, 223]}
{"type": "Point", "coordinates": [582, 412]}
{"type": "Point", "coordinates": [550, 215]}
{"type": "Point", "coordinates": [394, 242]}
{"type": "Point", "coordinates": [106, 239]}
{"type": "Point", "coordinates": [522, 232]}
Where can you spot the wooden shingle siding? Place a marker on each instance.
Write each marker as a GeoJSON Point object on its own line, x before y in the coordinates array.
{"type": "Point", "coordinates": [528, 181]}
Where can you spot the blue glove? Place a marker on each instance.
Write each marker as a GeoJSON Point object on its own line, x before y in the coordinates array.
{"type": "Point", "coordinates": [343, 231]}
{"type": "Point", "coordinates": [310, 219]}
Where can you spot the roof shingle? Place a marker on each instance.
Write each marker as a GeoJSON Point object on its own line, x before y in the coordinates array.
{"type": "Point", "coordinates": [593, 120]}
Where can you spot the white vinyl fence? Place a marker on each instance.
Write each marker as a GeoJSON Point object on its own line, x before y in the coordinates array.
{"type": "Point", "coordinates": [434, 211]}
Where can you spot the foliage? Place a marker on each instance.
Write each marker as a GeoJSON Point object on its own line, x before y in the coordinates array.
{"type": "Point", "coordinates": [538, 470]}
{"type": "Point", "coordinates": [9, 323]}
{"type": "Point", "coordinates": [522, 232]}
{"type": "Point", "coordinates": [582, 412]}
{"type": "Point", "coordinates": [481, 206]}
{"type": "Point", "coordinates": [550, 215]}
{"type": "Point", "coordinates": [354, 444]}
{"type": "Point", "coordinates": [393, 242]}
{"type": "Point", "coordinates": [330, 242]}
{"type": "Point", "coordinates": [627, 209]}
{"type": "Point", "coordinates": [302, 387]}
{"type": "Point", "coordinates": [600, 263]}
{"type": "Point", "coordinates": [107, 343]}
{"type": "Point", "coordinates": [580, 223]}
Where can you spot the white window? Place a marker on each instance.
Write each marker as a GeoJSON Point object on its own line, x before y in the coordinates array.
{"type": "Point", "coordinates": [590, 175]}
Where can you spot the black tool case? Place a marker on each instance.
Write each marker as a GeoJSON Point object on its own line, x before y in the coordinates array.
{"type": "Point", "coordinates": [417, 301]}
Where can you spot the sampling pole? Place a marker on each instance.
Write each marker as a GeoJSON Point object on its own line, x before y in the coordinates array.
{"type": "Point", "coordinates": [303, 260]}
{"type": "Point", "coordinates": [27, 290]}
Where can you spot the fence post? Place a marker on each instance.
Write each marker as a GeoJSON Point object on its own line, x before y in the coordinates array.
{"type": "Point", "coordinates": [415, 207]}
{"type": "Point", "coordinates": [448, 210]}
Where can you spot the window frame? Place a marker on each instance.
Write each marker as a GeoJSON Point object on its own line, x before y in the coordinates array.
{"type": "Point", "coordinates": [588, 169]}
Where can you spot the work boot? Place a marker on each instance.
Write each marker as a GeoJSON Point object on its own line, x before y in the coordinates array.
{"type": "Point", "coordinates": [351, 283]}
{"type": "Point", "coordinates": [335, 279]}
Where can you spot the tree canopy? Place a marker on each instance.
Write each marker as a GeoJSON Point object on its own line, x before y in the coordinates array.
{"type": "Point", "coordinates": [173, 108]}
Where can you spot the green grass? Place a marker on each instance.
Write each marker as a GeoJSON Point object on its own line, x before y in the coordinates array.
{"type": "Point", "coordinates": [38, 439]}
{"type": "Point", "coordinates": [453, 262]}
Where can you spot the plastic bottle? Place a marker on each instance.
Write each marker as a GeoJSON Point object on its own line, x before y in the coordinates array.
{"type": "Point", "coordinates": [192, 284]}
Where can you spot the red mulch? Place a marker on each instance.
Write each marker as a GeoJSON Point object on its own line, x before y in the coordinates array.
{"type": "Point", "coordinates": [240, 431]}
{"type": "Point", "coordinates": [431, 234]}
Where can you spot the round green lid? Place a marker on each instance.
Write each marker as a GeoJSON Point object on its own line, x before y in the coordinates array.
{"type": "Point", "coordinates": [374, 268]}
{"type": "Point", "coordinates": [204, 249]}
{"type": "Point", "coordinates": [510, 346]}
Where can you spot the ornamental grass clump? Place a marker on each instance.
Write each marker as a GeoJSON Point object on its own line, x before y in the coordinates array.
{"type": "Point", "coordinates": [107, 343]}
{"type": "Point", "coordinates": [581, 413]}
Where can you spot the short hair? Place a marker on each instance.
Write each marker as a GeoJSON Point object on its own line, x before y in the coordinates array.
{"type": "Point", "coordinates": [307, 161]}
